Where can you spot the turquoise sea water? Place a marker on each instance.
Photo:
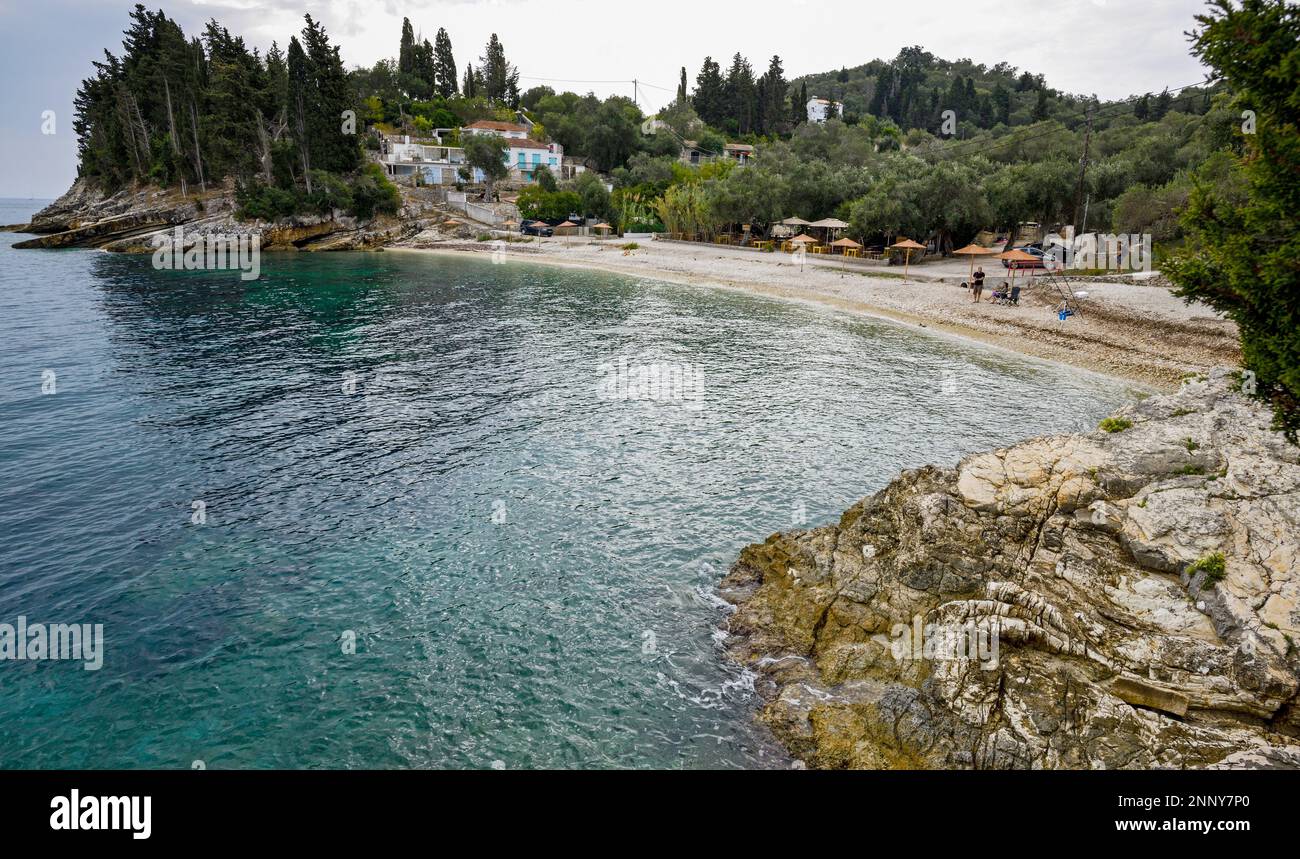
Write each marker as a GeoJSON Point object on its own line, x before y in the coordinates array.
{"type": "Point", "coordinates": [528, 567]}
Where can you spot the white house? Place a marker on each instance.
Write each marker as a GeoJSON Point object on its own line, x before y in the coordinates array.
{"type": "Point", "coordinates": [524, 154]}
{"type": "Point", "coordinates": [820, 109]}
{"type": "Point", "coordinates": [524, 157]}
{"type": "Point", "coordinates": [434, 164]}
{"type": "Point", "coordinates": [500, 129]}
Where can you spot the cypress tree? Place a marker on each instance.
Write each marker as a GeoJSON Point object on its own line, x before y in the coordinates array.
{"type": "Point", "coordinates": [444, 65]}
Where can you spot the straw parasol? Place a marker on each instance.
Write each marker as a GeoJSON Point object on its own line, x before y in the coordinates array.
{"type": "Point", "coordinates": [845, 243]}
{"type": "Point", "coordinates": [907, 245]}
{"type": "Point", "coordinates": [1016, 255]}
{"type": "Point", "coordinates": [602, 228]}
{"type": "Point", "coordinates": [803, 239]}
{"type": "Point", "coordinates": [829, 224]}
{"type": "Point", "coordinates": [972, 251]}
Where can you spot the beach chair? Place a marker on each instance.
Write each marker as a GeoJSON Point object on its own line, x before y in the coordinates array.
{"type": "Point", "coordinates": [1011, 298]}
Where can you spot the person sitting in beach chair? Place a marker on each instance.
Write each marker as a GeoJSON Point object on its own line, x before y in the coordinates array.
{"type": "Point", "coordinates": [1000, 294]}
{"type": "Point", "coordinates": [1007, 297]}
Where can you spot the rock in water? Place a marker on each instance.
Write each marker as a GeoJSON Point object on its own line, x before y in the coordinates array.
{"type": "Point", "coordinates": [1118, 599]}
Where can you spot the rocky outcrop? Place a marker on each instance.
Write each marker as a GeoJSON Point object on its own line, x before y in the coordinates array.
{"type": "Point", "coordinates": [130, 220]}
{"type": "Point", "coordinates": [1121, 599]}
{"type": "Point", "coordinates": [84, 217]}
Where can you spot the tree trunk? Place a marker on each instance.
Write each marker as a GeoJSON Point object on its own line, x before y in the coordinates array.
{"type": "Point", "coordinates": [171, 132]}
{"type": "Point", "coordinates": [198, 154]}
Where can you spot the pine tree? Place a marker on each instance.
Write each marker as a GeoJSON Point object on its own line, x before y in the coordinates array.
{"type": "Point", "coordinates": [332, 150]}
{"type": "Point", "coordinates": [1164, 102]}
{"type": "Point", "coordinates": [1142, 110]}
{"type": "Point", "coordinates": [709, 99]}
{"type": "Point", "coordinates": [774, 96]}
{"type": "Point", "coordinates": [1001, 104]}
{"type": "Point", "coordinates": [301, 104]}
{"type": "Point", "coordinates": [500, 79]}
{"type": "Point", "coordinates": [406, 52]}
{"type": "Point", "coordinates": [1244, 235]}
{"type": "Point", "coordinates": [740, 94]}
{"type": "Point", "coordinates": [444, 65]}
{"type": "Point", "coordinates": [424, 72]}
{"type": "Point", "coordinates": [1040, 106]}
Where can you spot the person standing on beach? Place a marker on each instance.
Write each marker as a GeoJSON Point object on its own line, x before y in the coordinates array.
{"type": "Point", "coordinates": [977, 288]}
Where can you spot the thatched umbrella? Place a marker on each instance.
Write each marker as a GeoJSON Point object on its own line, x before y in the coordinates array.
{"type": "Point", "coordinates": [907, 245]}
{"type": "Point", "coordinates": [829, 224]}
{"type": "Point", "coordinates": [972, 251]}
{"type": "Point", "coordinates": [803, 239]}
{"type": "Point", "coordinates": [568, 227]}
{"type": "Point", "coordinates": [602, 228]}
{"type": "Point", "coordinates": [1016, 255]}
{"type": "Point", "coordinates": [844, 244]}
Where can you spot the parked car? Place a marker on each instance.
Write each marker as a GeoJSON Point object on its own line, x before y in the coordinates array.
{"type": "Point", "coordinates": [536, 228]}
{"type": "Point", "coordinates": [1043, 259]}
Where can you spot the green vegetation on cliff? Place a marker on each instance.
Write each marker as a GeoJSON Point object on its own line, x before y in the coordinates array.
{"type": "Point", "coordinates": [1243, 257]}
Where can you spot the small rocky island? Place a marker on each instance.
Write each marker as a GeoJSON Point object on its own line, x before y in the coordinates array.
{"type": "Point", "coordinates": [1141, 582]}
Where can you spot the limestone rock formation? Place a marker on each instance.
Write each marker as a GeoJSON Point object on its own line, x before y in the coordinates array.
{"type": "Point", "coordinates": [130, 220]}
{"type": "Point", "coordinates": [1121, 599]}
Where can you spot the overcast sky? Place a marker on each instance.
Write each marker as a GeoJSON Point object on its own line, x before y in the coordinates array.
{"type": "Point", "coordinates": [1113, 48]}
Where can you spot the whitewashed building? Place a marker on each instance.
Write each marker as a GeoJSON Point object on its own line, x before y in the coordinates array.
{"type": "Point", "coordinates": [524, 154]}
{"type": "Point", "coordinates": [820, 109]}
{"type": "Point", "coordinates": [425, 162]}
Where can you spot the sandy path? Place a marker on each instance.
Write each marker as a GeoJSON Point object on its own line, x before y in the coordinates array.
{"type": "Point", "coordinates": [1137, 332]}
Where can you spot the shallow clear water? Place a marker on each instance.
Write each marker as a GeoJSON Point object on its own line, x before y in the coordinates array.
{"type": "Point", "coordinates": [573, 628]}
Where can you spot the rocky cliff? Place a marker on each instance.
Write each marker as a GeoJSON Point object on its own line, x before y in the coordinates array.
{"type": "Point", "coordinates": [1125, 598]}
{"type": "Point", "coordinates": [128, 221]}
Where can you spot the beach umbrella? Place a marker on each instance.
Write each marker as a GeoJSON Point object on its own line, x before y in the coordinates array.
{"type": "Point", "coordinates": [1016, 255]}
{"type": "Point", "coordinates": [602, 228]}
{"type": "Point", "coordinates": [907, 245]}
{"type": "Point", "coordinates": [803, 239]}
{"type": "Point", "coordinates": [829, 224]}
{"type": "Point", "coordinates": [795, 222]}
{"type": "Point", "coordinates": [972, 251]}
{"type": "Point", "coordinates": [844, 244]}
{"type": "Point", "coordinates": [567, 226]}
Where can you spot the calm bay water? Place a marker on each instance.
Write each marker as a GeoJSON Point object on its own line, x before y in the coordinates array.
{"type": "Point", "coordinates": [528, 569]}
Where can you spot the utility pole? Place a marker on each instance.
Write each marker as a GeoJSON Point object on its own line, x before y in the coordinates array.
{"type": "Point", "coordinates": [634, 93]}
{"type": "Point", "coordinates": [1083, 167]}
